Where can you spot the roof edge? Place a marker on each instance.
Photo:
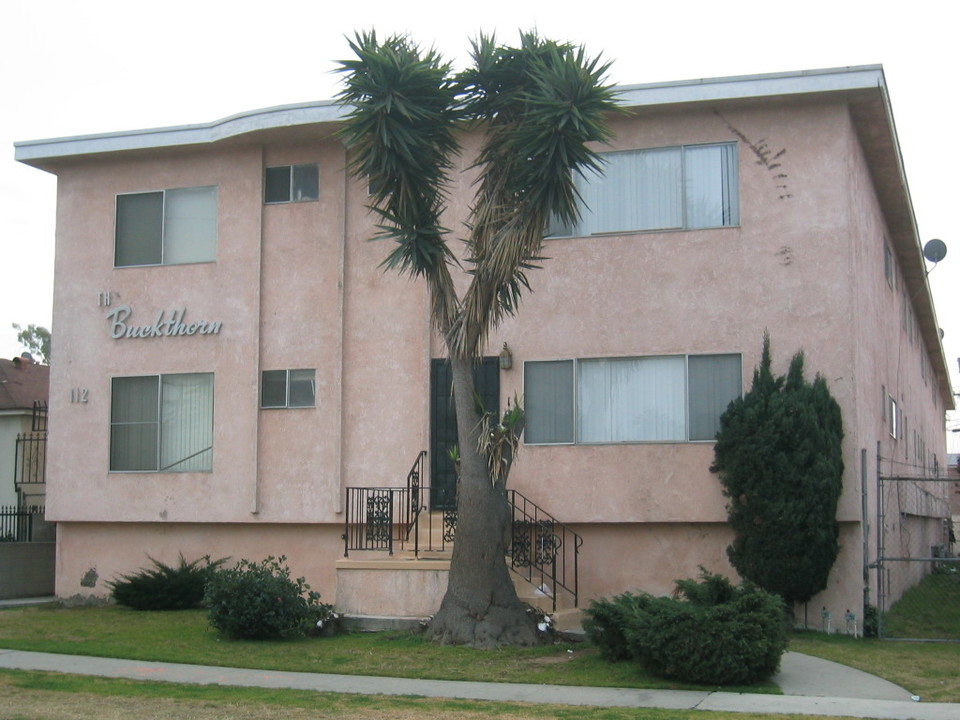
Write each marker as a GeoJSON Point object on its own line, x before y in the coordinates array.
{"type": "Point", "coordinates": [44, 152]}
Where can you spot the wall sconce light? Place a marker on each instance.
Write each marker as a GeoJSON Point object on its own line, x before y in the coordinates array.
{"type": "Point", "coordinates": [506, 358]}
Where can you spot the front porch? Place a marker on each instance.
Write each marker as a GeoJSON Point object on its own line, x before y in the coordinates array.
{"type": "Point", "coordinates": [397, 552]}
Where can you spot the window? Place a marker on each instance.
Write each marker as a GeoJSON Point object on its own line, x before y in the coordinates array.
{"type": "Point", "coordinates": [166, 227]}
{"type": "Point", "coordinates": [162, 423]}
{"type": "Point", "coordinates": [888, 267]}
{"type": "Point", "coordinates": [687, 187]}
{"type": "Point", "coordinates": [292, 183]}
{"type": "Point", "coordinates": [616, 400]}
{"type": "Point", "coordinates": [288, 389]}
{"type": "Point", "coordinates": [894, 418]}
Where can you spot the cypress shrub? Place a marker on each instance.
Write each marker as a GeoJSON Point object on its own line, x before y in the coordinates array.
{"type": "Point", "coordinates": [779, 458]}
{"type": "Point", "coordinates": [605, 623]}
{"type": "Point", "coordinates": [165, 587]}
{"type": "Point", "coordinates": [711, 632]}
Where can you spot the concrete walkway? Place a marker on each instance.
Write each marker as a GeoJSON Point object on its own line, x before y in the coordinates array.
{"type": "Point", "coordinates": [812, 687]}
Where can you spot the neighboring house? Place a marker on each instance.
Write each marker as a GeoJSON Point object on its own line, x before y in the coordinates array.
{"type": "Point", "coordinates": [24, 386]}
{"type": "Point", "coordinates": [232, 357]}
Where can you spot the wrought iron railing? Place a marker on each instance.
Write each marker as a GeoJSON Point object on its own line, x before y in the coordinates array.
{"type": "Point", "coordinates": [17, 523]}
{"type": "Point", "coordinates": [38, 420]}
{"type": "Point", "coordinates": [392, 518]}
{"type": "Point", "coordinates": [544, 551]}
{"type": "Point", "coordinates": [30, 459]}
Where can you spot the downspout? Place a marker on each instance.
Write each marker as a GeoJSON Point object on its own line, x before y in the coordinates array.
{"type": "Point", "coordinates": [255, 485]}
{"type": "Point", "coordinates": [338, 369]}
{"type": "Point", "coordinates": [865, 522]}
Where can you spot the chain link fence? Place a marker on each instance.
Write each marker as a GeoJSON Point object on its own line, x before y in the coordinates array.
{"type": "Point", "coordinates": [918, 594]}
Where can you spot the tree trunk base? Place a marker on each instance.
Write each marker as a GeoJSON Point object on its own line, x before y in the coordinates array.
{"type": "Point", "coordinates": [515, 625]}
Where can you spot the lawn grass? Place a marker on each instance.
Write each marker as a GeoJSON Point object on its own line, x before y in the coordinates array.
{"type": "Point", "coordinates": [184, 636]}
{"type": "Point", "coordinates": [930, 609]}
{"type": "Point", "coordinates": [39, 696]}
{"type": "Point", "coordinates": [931, 670]}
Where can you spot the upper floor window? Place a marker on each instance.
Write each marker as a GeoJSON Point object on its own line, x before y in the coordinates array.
{"type": "Point", "coordinates": [166, 227]}
{"type": "Point", "coordinates": [291, 183]}
{"type": "Point", "coordinates": [618, 400]}
{"type": "Point", "coordinates": [673, 188]}
{"type": "Point", "coordinates": [894, 417]}
{"type": "Point", "coordinates": [288, 389]}
{"type": "Point", "coordinates": [162, 423]}
{"type": "Point", "coordinates": [889, 270]}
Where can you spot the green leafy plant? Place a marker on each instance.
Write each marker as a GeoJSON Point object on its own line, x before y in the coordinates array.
{"type": "Point", "coordinates": [165, 587]}
{"type": "Point", "coordinates": [260, 601]}
{"type": "Point", "coordinates": [780, 460]}
{"type": "Point", "coordinates": [710, 632]}
{"type": "Point", "coordinates": [36, 339]}
{"type": "Point", "coordinates": [871, 621]}
{"type": "Point", "coordinates": [605, 622]}
{"type": "Point", "coordinates": [500, 441]}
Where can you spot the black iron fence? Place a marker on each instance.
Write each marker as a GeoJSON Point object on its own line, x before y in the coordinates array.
{"type": "Point", "coordinates": [388, 518]}
{"type": "Point", "coordinates": [21, 524]}
{"type": "Point", "coordinates": [30, 460]}
{"type": "Point", "coordinates": [542, 550]}
{"type": "Point", "coordinates": [38, 419]}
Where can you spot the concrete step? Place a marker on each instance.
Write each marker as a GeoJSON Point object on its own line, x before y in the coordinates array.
{"type": "Point", "coordinates": [430, 533]}
{"type": "Point", "coordinates": [540, 596]}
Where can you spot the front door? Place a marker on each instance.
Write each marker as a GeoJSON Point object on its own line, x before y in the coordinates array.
{"type": "Point", "coordinates": [443, 423]}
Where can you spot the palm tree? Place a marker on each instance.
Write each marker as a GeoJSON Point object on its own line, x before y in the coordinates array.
{"type": "Point", "coordinates": [537, 105]}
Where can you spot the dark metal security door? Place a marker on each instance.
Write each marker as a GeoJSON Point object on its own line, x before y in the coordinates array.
{"type": "Point", "coordinates": [443, 423]}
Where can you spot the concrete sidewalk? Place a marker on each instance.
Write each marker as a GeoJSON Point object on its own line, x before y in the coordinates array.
{"type": "Point", "coordinates": [795, 668]}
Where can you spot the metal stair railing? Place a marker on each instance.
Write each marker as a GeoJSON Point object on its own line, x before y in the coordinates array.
{"type": "Point", "coordinates": [390, 518]}
{"type": "Point", "coordinates": [543, 551]}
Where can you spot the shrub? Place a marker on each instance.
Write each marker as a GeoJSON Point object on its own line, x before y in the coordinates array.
{"type": "Point", "coordinates": [710, 633]}
{"type": "Point", "coordinates": [779, 457]}
{"type": "Point", "coordinates": [871, 621]}
{"type": "Point", "coordinates": [260, 601]}
{"type": "Point", "coordinates": [605, 623]}
{"type": "Point", "coordinates": [165, 587]}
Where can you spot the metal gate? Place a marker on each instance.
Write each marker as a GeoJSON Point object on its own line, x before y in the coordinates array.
{"type": "Point", "coordinates": [918, 578]}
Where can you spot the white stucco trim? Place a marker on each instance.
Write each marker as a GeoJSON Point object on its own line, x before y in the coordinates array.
{"type": "Point", "coordinates": [40, 153]}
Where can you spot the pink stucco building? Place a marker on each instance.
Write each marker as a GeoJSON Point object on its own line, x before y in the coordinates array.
{"type": "Point", "coordinates": [231, 357]}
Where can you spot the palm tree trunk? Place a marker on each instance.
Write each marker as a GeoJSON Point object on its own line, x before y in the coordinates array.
{"type": "Point", "coordinates": [480, 607]}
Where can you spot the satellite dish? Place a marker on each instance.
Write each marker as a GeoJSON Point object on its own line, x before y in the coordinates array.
{"type": "Point", "coordinates": [935, 250]}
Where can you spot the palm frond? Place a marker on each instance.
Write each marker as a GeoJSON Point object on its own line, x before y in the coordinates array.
{"type": "Point", "coordinates": [400, 133]}
{"type": "Point", "coordinates": [542, 105]}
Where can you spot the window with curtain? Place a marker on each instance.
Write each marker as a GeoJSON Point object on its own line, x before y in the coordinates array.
{"type": "Point", "coordinates": [673, 188]}
{"type": "Point", "coordinates": [166, 227]}
{"type": "Point", "coordinates": [620, 400]}
{"type": "Point", "coordinates": [162, 423]}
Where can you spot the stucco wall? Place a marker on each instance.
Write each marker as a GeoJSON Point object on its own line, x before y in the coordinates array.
{"type": "Point", "coordinates": [90, 554]}
{"type": "Point", "coordinates": [299, 286]}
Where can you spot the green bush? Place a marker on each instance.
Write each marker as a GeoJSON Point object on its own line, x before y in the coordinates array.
{"type": "Point", "coordinates": [871, 621]}
{"type": "Point", "coordinates": [605, 622]}
{"type": "Point", "coordinates": [260, 601]}
{"type": "Point", "coordinates": [165, 587]}
{"type": "Point", "coordinates": [711, 632]}
{"type": "Point", "coordinates": [779, 457]}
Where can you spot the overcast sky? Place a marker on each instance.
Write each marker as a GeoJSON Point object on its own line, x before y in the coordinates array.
{"type": "Point", "coordinates": [73, 68]}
